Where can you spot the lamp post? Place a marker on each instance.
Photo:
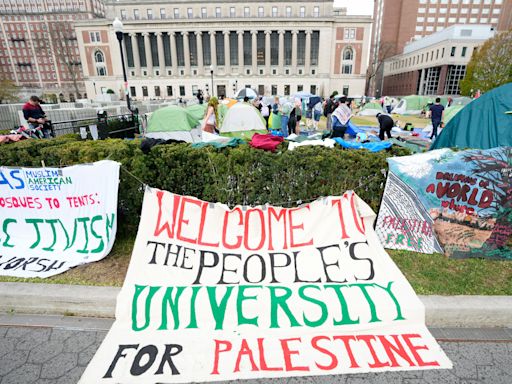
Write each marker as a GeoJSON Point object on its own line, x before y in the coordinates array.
{"type": "Point", "coordinates": [118, 29]}
{"type": "Point", "coordinates": [211, 73]}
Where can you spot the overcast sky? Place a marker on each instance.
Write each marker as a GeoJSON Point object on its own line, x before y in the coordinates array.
{"type": "Point", "coordinates": [359, 7]}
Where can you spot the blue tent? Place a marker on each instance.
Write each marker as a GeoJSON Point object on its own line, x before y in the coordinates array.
{"type": "Point", "coordinates": [483, 123]}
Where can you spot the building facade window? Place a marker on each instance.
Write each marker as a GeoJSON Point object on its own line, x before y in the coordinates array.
{"type": "Point", "coordinates": [190, 13]}
{"type": "Point", "coordinates": [123, 14]}
{"type": "Point", "coordinates": [232, 12]}
{"type": "Point", "coordinates": [99, 61]}
{"type": "Point", "coordinates": [247, 12]}
{"type": "Point", "coordinates": [206, 49]}
{"type": "Point", "coordinates": [274, 12]}
{"type": "Point", "coordinates": [144, 91]}
{"type": "Point", "coordinates": [133, 92]}
{"type": "Point", "coordinates": [261, 12]}
{"type": "Point", "coordinates": [350, 33]}
{"type": "Point", "coordinates": [94, 36]}
{"type": "Point", "coordinates": [273, 90]}
{"type": "Point", "coordinates": [136, 14]}
{"type": "Point", "coordinates": [247, 48]}
{"type": "Point", "coordinates": [150, 14]}
{"type": "Point", "coordinates": [316, 12]}
{"type": "Point", "coordinates": [288, 48]}
{"type": "Point", "coordinates": [169, 90]}
{"type": "Point", "coordinates": [452, 52]}
{"type": "Point", "coordinates": [287, 90]}
{"type": "Point", "coordinates": [192, 47]}
{"type": "Point", "coordinates": [219, 48]}
{"type": "Point", "coordinates": [157, 91]}
{"type": "Point", "coordinates": [176, 13]}
{"type": "Point", "coordinates": [218, 13]}
{"type": "Point", "coordinates": [167, 49]}
{"type": "Point", "coordinates": [233, 48]}
{"type": "Point", "coordinates": [203, 12]}
{"type": "Point", "coordinates": [302, 12]}
{"type": "Point", "coordinates": [347, 61]}
{"type": "Point", "coordinates": [288, 11]}
{"type": "Point", "coordinates": [463, 53]}
{"type": "Point", "coordinates": [301, 48]}
{"type": "Point", "coordinates": [162, 13]}
{"type": "Point", "coordinates": [260, 48]}
{"type": "Point", "coordinates": [346, 90]}
{"type": "Point", "coordinates": [180, 54]}
{"type": "Point", "coordinates": [274, 49]}
{"type": "Point", "coordinates": [315, 47]}
{"type": "Point", "coordinates": [182, 90]}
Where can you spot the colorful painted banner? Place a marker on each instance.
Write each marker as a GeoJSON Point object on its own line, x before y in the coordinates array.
{"type": "Point", "coordinates": [53, 219]}
{"type": "Point", "coordinates": [456, 202]}
{"type": "Point", "coordinates": [214, 293]}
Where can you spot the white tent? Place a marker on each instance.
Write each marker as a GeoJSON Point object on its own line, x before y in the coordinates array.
{"type": "Point", "coordinates": [242, 117]}
{"type": "Point", "coordinates": [246, 92]}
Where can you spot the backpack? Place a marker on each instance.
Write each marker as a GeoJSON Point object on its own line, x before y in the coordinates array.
{"type": "Point", "coordinates": [328, 107]}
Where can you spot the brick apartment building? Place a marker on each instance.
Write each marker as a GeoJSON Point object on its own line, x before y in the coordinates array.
{"type": "Point", "coordinates": [397, 22]}
{"type": "Point", "coordinates": [38, 45]}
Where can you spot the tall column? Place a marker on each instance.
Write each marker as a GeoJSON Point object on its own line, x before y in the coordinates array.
{"type": "Point", "coordinates": [136, 57]}
{"type": "Point", "coordinates": [281, 52]}
{"type": "Point", "coordinates": [161, 56]}
{"type": "Point", "coordinates": [213, 49]}
{"type": "Point", "coordinates": [254, 52]}
{"type": "Point", "coordinates": [308, 53]}
{"type": "Point", "coordinates": [294, 52]}
{"type": "Point", "coordinates": [199, 44]}
{"type": "Point", "coordinates": [227, 53]}
{"type": "Point", "coordinates": [186, 52]}
{"type": "Point", "coordinates": [174, 54]}
{"type": "Point", "coordinates": [147, 49]}
{"type": "Point", "coordinates": [267, 52]}
{"type": "Point", "coordinates": [241, 51]}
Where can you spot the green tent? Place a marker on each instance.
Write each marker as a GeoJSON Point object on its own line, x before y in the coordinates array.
{"type": "Point", "coordinates": [483, 123]}
{"type": "Point", "coordinates": [412, 105]}
{"type": "Point", "coordinates": [197, 112]}
{"type": "Point", "coordinates": [451, 111]}
{"type": "Point", "coordinates": [172, 122]}
{"type": "Point", "coordinates": [371, 109]}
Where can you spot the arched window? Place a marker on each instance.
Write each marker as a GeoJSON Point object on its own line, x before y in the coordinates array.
{"type": "Point", "coordinates": [348, 54]}
{"type": "Point", "coordinates": [99, 62]}
{"type": "Point", "coordinates": [347, 63]}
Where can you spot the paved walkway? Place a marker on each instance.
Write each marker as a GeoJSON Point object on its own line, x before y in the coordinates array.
{"type": "Point", "coordinates": [31, 351]}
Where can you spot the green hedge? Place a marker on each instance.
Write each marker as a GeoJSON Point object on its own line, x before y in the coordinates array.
{"type": "Point", "coordinates": [240, 175]}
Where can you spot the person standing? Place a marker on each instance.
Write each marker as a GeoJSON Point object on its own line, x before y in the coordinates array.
{"type": "Point", "coordinates": [276, 117]}
{"type": "Point", "coordinates": [212, 116]}
{"type": "Point", "coordinates": [340, 118]}
{"type": "Point", "coordinates": [386, 123]}
{"type": "Point", "coordinates": [265, 112]}
{"type": "Point", "coordinates": [317, 113]}
{"type": "Point", "coordinates": [329, 108]}
{"type": "Point", "coordinates": [436, 115]}
{"type": "Point", "coordinates": [285, 109]}
{"type": "Point", "coordinates": [200, 97]}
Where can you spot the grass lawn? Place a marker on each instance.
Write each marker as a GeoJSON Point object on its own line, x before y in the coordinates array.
{"type": "Point", "coordinates": [428, 274]}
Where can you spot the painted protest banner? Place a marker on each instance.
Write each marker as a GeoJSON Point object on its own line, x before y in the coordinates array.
{"type": "Point", "coordinates": [53, 219]}
{"type": "Point", "coordinates": [213, 293]}
{"type": "Point", "coordinates": [456, 202]}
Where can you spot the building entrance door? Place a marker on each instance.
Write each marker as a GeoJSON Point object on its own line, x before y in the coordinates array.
{"type": "Point", "coordinates": [221, 91]}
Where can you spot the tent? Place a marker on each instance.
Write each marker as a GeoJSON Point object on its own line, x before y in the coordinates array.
{"type": "Point", "coordinates": [174, 123]}
{"type": "Point", "coordinates": [246, 92]}
{"type": "Point", "coordinates": [370, 109]}
{"type": "Point", "coordinates": [412, 105]}
{"type": "Point", "coordinates": [197, 112]}
{"type": "Point", "coordinates": [242, 120]}
{"type": "Point", "coordinates": [483, 123]}
{"type": "Point", "coordinates": [451, 111]}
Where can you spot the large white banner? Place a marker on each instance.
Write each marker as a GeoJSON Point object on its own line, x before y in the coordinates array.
{"type": "Point", "coordinates": [214, 293]}
{"type": "Point", "coordinates": [52, 219]}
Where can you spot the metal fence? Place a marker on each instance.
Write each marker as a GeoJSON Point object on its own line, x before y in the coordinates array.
{"type": "Point", "coordinates": [103, 125]}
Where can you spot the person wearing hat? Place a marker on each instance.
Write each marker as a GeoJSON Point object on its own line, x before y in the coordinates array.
{"type": "Point", "coordinates": [35, 116]}
{"type": "Point", "coordinates": [386, 123]}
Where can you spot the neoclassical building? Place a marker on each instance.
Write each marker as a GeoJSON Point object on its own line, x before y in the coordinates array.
{"type": "Point", "coordinates": [172, 49]}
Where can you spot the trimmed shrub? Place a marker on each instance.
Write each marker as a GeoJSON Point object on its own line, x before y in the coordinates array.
{"type": "Point", "coordinates": [240, 175]}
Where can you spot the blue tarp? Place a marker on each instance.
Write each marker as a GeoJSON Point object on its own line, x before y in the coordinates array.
{"type": "Point", "coordinates": [372, 146]}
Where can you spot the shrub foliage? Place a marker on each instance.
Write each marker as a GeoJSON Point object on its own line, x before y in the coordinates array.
{"type": "Point", "coordinates": [240, 175]}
